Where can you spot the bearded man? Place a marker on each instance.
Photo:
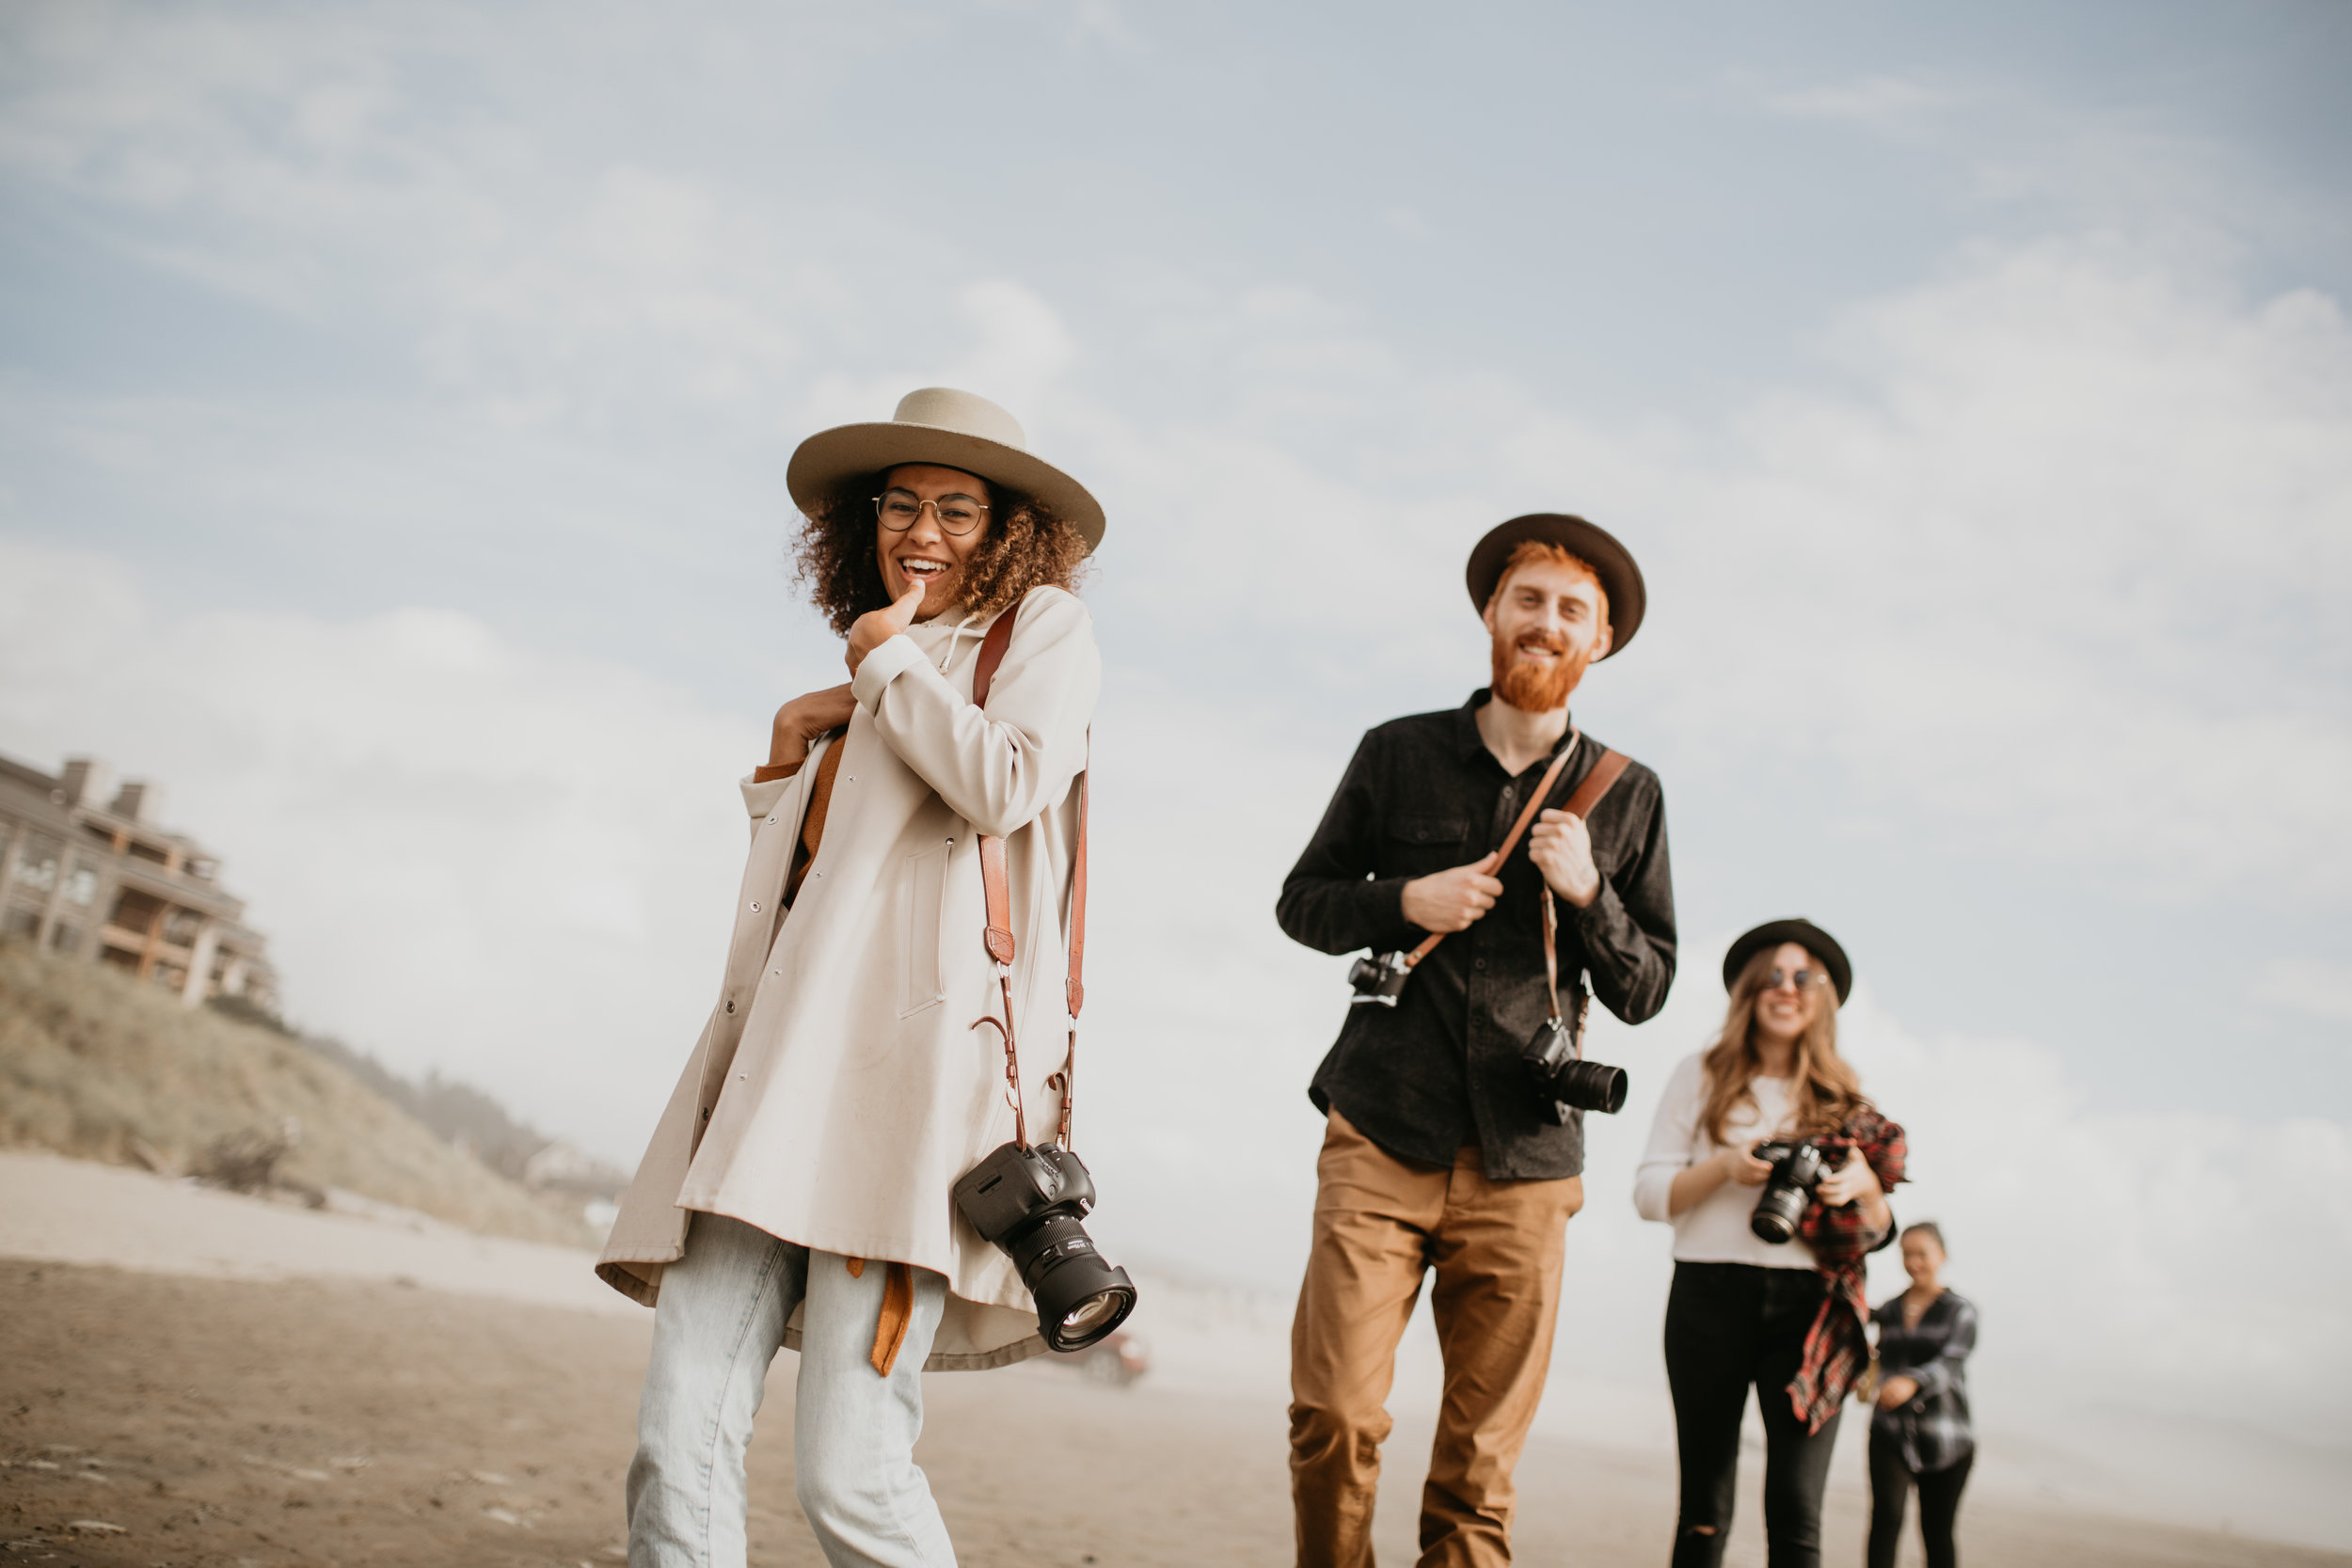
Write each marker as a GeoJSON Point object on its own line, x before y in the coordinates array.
{"type": "Point", "coordinates": [1439, 1153]}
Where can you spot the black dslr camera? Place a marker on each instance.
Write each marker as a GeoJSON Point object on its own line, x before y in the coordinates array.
{"type": "Point", "coordinates": [1380, 979]}
{"type": "Point", "coordinates": [1563, 1079]}
{"type": "Point", "coordinates": [1028, 1203]}
{"type": "Point", "coordinates": [1796, 1170]}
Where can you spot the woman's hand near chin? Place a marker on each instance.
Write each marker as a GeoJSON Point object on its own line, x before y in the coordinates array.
{"type": "Point", "coordinates": [877, 626]}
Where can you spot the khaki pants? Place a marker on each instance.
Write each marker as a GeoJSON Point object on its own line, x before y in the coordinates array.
{"type": "Point", "coordinates": [1497, 1248]}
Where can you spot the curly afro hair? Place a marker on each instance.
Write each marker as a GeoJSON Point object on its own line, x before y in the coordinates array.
{"type": "Point", "coordinates": [1028, 545]}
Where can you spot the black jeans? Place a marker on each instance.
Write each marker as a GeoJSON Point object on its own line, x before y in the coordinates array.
{"type": "Point", "coordinates": [1728, 1325]}
{"type": "Point", "coordinates": [1939, 1504]}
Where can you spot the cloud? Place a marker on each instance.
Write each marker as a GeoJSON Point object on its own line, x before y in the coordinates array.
{"type": "Point", "coordinates": [2311, 987]}
{"type": "Point", "coordinates": [2048, 555]}
{"type": "Point", "coordinates": [1889, 104]}
{"type": "Point", "coordinates": [2066, 523]}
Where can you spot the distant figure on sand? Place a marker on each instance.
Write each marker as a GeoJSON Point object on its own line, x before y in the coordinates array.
{"type": "Point", "coordinates": [1774, 1170]}
{"type": "Point", "coordinates": [1439, 1153]}
{"type": "Point", "coordinates": [1920, 1434]}
{"type": "Point", "coordinates": [797, 1191]}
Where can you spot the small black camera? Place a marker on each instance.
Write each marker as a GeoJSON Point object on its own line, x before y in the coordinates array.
{"type": "Point", "coordinates": [1029, 1202]}
{"type": "Point", "coordinates": [1796, 1170]}
{"type": "Point", "coordinates": [1564, 1081]}
{"type": "Point", "coordinates": [1378, 979]}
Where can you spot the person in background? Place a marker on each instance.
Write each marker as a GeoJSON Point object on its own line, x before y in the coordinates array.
{"type": "Point", "coordinates": [1784, 1316]}
{"type": "Point", "coordinates": [1920, 1435]}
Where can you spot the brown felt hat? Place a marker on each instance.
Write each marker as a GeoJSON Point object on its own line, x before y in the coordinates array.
{"type": "Point", "coordinates": [955, 430]}
{"type": "Point", "coordinates": [1611, 562]}
{"type": "Point", "coordinates": [1805, 935]}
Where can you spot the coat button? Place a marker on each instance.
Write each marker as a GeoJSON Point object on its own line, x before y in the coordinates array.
{"type": "Point", "coordinates": [755, 906]}
{"type": "Point", "coordinates": [706, 1113]}
{"type": "Point", "coordinates": [1479, 963]}
{"type": "Point", "coordinates": [730, 1006]}
{"type": "Point", "coordinates": [771, 822]}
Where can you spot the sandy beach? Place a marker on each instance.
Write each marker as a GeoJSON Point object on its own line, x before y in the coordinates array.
{"type": "Point", "coordinates": [271, 1387]}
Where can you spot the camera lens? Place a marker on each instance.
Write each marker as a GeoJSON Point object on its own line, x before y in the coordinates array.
{"type": "Point", "coordinates": [1776, 1214]}
{"type": "Point", "coordinates": [1787, 1192]}
{"type": "Point", "coordinates": [1592, 1087]}
{"type": "Point", "coordinates": [1080, 1298]}
{"type": "Point", "coordinates": [1094, 1313]}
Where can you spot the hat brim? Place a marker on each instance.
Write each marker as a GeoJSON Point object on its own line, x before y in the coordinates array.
{"type": "Point", "coordinates": [1611, 562]}
{"type": "Point", "coordinates": [830, 459]}
{"type": "Point", "coordinates": [1805, 935]}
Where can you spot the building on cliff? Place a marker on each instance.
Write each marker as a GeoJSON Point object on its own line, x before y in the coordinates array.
{"type": "Point", "coordinates": [86, 871]}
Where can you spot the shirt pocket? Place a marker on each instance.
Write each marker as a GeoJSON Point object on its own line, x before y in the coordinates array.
{"type": "Point", "coordinates": [923, 879]}
{"type": "Point", "coordinates": [1414, 844]}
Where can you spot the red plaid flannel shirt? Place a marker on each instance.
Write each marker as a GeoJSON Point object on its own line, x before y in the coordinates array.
{"type": "Point", "coordinates": [1837, 1346]}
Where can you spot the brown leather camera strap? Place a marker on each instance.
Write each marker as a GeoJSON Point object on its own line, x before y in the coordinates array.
{"type": "Point", "coordinates": [1588, 793]}
{"type": "Point", "coordinates": [1596, 784]}
{"type": "Point", "coordinates": [1073, 984]}
{"type": "Point", "coordinates": [998, 935]}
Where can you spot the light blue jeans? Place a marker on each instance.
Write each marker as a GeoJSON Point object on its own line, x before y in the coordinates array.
{"type": "Point", "coordinates": [721, 1320]}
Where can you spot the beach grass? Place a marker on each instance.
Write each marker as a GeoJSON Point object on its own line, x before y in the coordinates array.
{"type": "Point", "coordinates": [96, 1066]}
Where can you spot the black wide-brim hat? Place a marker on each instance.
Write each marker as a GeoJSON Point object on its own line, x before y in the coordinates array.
{"type": "Point", "coordinates": [1611, 562]}
{"type": "Point", "coordinates": [1805, 935]}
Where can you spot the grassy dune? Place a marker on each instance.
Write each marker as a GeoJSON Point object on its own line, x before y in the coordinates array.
{"type": "Point", "coordinates": [92, 1063]}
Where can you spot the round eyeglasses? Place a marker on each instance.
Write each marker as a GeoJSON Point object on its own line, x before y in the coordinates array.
{"type": "Point", "coordinates": [1804, 979]}
{"type": "Point", "coordinates": [957, 515]}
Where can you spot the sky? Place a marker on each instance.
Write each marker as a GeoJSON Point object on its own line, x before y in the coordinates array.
{"type": "Point", "coordinates": [395, 401]}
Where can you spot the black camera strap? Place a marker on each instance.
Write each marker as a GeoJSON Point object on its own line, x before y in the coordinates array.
{"type": "Point", "coordinates": [998, 935]}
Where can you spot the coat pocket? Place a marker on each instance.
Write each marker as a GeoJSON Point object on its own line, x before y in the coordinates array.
{"type": "Point", "coordinates": [923, 885]}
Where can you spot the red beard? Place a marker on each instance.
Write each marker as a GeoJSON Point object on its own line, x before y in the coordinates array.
{"type": "Point", "coordinates": [1534, 687]}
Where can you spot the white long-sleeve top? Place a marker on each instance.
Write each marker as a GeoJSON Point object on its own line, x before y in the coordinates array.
{"type": "Point", "coordinates": [1715, 1229]}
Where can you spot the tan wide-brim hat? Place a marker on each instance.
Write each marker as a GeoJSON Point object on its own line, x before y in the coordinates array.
{"type": "Point", "coordinates": [1611, 562]}
{"type": "Point", "coordinates": [955, 430]}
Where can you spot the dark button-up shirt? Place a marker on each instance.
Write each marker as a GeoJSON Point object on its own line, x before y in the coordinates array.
{"type": "Point", "coordinates": [1931, 1427]}
{"type": "Point", "coordinates": [1442, 1068]}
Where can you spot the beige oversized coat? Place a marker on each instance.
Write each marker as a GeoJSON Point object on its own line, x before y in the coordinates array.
{"type": "Point", "coordinates": [839, 1088]}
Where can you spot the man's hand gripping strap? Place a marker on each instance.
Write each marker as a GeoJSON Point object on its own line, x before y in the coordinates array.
{"type": "Point", "coordinates": [1588, 793]}
{"type": "Point", "coordinates": [1597, 784]}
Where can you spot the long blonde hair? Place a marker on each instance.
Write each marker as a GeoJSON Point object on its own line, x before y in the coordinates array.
{"type": "Point", "coordinates": [1823, 1090]}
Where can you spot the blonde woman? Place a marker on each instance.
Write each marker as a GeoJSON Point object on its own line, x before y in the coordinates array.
{"type": "Point", "coordinates": [1784, 1316]}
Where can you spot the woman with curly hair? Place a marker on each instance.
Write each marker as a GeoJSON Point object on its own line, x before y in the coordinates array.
{"type": "Point", "coordinates": [797, 1191]}
{"type": "Point", "coordinates": [1786, 1315]}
